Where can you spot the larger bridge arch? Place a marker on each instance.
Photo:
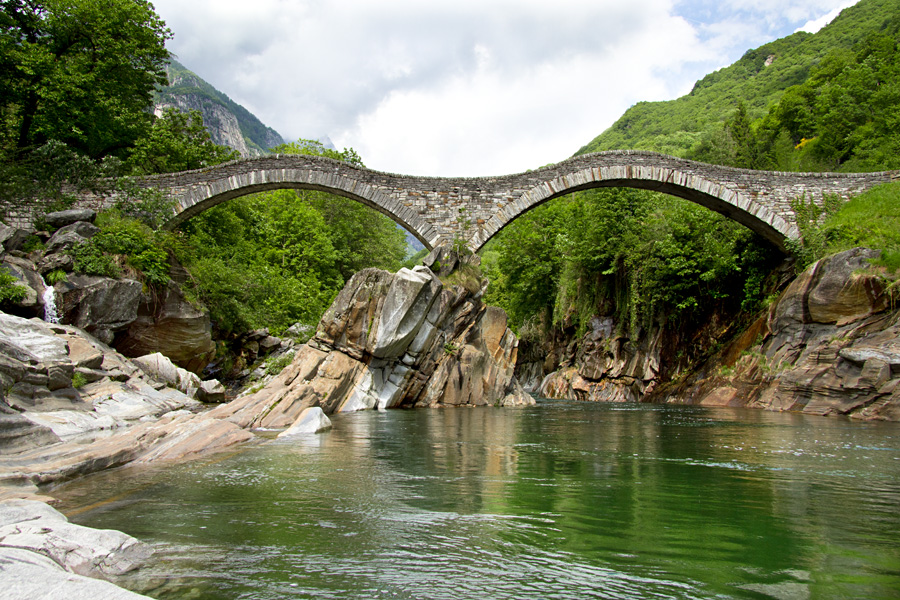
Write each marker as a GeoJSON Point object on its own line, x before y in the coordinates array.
{"type": "Point", "coordinates": [438, 210]}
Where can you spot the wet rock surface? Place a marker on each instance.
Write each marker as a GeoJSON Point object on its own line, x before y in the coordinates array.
{"type": "Point", "coordinates": [42, 555]}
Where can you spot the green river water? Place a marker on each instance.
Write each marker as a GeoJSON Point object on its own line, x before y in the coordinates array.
{"type": "Point", "coordinates": [564, 500]}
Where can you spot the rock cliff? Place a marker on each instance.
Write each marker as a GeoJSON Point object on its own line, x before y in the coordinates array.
{"type": "Point", "coordinates": [827, 345]}
{"type": "Point", "coordinates": [229, 123]}
{"type": "Point", "coordinates": [396, 340]}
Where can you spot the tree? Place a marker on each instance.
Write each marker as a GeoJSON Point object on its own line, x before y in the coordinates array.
{"type": "Point", "coordinates": [361, 237]}
{"type": "Point", "coordinates": [79, 72]}
{"type": "Point", "coordinates": [177, 141]}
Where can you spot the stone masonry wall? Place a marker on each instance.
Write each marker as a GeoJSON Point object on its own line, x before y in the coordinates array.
{"type": "Point", "coordinates": [439, 209]}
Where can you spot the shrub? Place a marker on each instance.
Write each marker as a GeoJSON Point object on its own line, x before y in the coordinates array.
{"type": "Point", "coordinates": [10, 293]}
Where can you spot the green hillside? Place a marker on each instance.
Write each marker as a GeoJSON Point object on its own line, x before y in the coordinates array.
{"type": "Point", "coordinates": [676, 126]}
{"type": "Point", "coordinates": [825, 102]}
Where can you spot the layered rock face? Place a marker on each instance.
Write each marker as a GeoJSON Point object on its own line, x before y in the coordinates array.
{"type": "Point", "coordinates": [829, 345]}
{"type": "Point", "coordinates": [604, 367]}
{"type": "Point", "coordinates": [71, 405]}
{"type": "Point", "coordinates": [392, 340]}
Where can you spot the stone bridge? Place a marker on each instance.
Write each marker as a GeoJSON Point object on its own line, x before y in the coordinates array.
{"type": "Point", "coordinates": [438, 210]}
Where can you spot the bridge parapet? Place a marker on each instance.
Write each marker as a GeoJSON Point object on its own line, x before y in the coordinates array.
{"type": "Point", "coordinates": [440, 209]}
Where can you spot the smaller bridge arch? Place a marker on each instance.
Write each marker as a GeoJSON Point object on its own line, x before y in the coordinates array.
{"type": "Point", "coordinates": [438, 210]}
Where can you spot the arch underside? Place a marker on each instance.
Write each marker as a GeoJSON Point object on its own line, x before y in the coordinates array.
{"type": "Point", "coordinates": [775, 235]}
{"type": "Point", "coordinates": [213, 200]}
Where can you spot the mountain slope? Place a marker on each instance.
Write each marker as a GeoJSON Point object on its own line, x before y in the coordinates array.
{"type": "Point", "coordinates": [758, 79]}
{"type": "Point", "coordinates": [229, 123]}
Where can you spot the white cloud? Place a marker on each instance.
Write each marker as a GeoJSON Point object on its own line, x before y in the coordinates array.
{"type": "Point", "coordinates": [815, 25]}
{"type": "Point", "coordinates": [461, 87]}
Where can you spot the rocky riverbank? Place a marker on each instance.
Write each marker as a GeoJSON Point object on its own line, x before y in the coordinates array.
{"type": "Point", "coordinates": [43, 556]}
{"type": "Point", "coordinates": [827, 345]}
{"type": "Point", "coordinates": [71, 405]}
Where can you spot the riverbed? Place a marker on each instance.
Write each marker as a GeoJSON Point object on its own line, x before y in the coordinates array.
{"type": "Point", "coordinates": [563, 500]}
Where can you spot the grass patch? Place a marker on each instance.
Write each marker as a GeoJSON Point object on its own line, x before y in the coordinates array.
{"type": "Point", "coordinates": [870, 220]}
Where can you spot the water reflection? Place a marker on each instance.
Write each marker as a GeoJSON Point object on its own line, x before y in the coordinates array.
{"type": "Point", "coordinates": [560, 501]}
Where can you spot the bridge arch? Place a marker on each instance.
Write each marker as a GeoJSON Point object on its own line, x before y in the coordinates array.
{"type": "Point", "coordinates": [737, 206]}
{"type": "Point", "coordinates": [439, 210]}
{"type": "Point", "coordinates": [216, 185]}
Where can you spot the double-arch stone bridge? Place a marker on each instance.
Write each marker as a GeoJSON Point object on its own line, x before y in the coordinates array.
{"type": "Point", "coordinates": [438, 210]}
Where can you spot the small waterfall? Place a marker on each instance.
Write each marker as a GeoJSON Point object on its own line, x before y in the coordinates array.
{"type": "Point", "coordinates": [50, 314]}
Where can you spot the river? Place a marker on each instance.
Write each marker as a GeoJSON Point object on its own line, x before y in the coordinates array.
{"type": "Point", "coordinates": [563, 500]}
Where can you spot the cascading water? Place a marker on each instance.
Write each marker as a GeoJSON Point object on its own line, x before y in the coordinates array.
{"type": "Point", "coordinates": [50, 314]}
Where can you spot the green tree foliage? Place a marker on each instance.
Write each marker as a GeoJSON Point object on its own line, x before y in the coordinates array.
{"type": "Point", "coordinates": [759, 80]}
{"type": "Point", "coordinates": [125, 242]}
{"type": "Point", "coordinates": [79, 72]}
{"type": "Point", "coordinates": [252, 272]}
{"type": "Point", "coordinates": [842, 118]}
{"type": "Point", "coordinates": [360, 236]}
{"type": "Point", "coordinates": [276, 258]}
{"type": "Point", "coordinates": [639, 256]}
{"type": "Point", "coordinates": [177, 141]}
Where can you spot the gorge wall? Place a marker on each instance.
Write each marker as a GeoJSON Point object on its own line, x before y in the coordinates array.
{"type": "Point", "coordinates": [827, 346]}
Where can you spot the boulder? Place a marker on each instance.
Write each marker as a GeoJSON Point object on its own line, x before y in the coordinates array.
{"type": "Point", "coordinates": [12, 238]}
{"type": "Point", "coordinates": [211, 391]}
{"type": "Point", "coordinates": [67, 217]}
{"type": "Point", "coordinates": [269, 343]}
{"type": "Point", "coordinates": [441, 260]}
{"type": "Point", "coordinates": [54, 262]}
{"type": "Point", "coordinates": [162, 369]}
{"type": "Point", "coordinates": [169, 324]}
{"type": "Point", "coordinates": [36, 527]}
{"type": "Point", "coordinates": [64, 240]}
{"type": "Point", "coordinates": [82, 228]}
{"type": "Point", "coordinates": [311, 420]}
{"type": "Point", "coordinates": [26, 272]}
{"type": "Point", "coordinates": [99, 305]}
{"type": "Point", "coordinates": [842, 294]}
{"type": "Point", "coordinates": [30, 576]}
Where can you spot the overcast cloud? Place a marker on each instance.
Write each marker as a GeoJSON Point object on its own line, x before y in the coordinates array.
{"type": "Point", "coordinates": [466, 87]}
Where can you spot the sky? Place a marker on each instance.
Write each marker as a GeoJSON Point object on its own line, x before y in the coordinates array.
{"type": "Point", "coordinates": [466, 87]}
